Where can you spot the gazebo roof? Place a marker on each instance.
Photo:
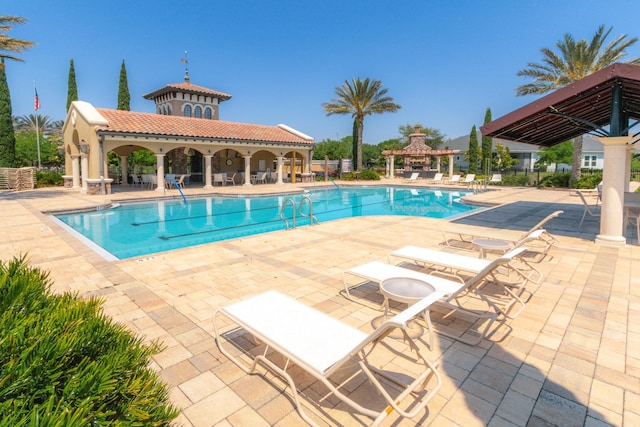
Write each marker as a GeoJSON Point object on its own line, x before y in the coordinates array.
{"type": "Point", "coordinates": [581, 107]}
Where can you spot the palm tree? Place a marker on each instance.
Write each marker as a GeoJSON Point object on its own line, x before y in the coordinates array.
{"type": "Point", "coordinates": [360, 98]}
{"type": "Point", "coordinates": [576, 60]}
{"type": "Point", "coordinates": [8, 44]}
{"type": "Point", "coordinates": [46, 127]}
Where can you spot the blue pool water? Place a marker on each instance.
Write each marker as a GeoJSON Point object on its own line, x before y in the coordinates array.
{"type": "Point", "coordinates": [138, 229]}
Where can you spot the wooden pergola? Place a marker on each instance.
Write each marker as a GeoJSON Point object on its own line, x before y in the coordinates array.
{"type": "Point", "coordinates": [417, 157]}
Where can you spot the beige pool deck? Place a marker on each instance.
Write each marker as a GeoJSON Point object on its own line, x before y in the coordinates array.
{"type": "Point", "coordinates": [571, 358]}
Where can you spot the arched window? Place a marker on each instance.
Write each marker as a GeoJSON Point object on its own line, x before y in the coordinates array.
{"type": "Point", "coordinates": [187, 110]}
{"type": "Point", "coordinates": [207, 113]}
{"type": "Point", "coordinates": [169, 110]}
{"type": "Point", "coordinates": [198, 112]}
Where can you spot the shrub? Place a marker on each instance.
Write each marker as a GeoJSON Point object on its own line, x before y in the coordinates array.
{"type": "Point", "coordinates": [366, 174]}
{"type": "Point", "coordinates": [555, 180]}
{"type": "Point", "coordinates": [64, 362]}
{"type": "Point", "coordinates": [349, 176]}
{"type": "Point", "coordinates": [46, 178]}
{"type": "Point", "coordinates": [369, 175]}
{"type": "Point", "coordinates": [588, 181]}
{"type": "Point", "coordinates": [514, 180]}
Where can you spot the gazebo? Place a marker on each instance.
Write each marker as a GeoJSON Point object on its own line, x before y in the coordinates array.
{"type": "Point", "coordinates": [602, 104]}
{"type": "Point", "coordinates": [417, 157]}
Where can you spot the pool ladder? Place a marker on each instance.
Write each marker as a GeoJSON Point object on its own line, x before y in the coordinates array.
{"type": "Point", "coordinates": [304, 199]}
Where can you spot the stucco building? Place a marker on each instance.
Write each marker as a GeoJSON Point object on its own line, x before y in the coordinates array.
{"type": "Point", "coordinates": [186, 137]}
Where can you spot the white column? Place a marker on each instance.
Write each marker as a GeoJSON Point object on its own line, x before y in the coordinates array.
{"type": "Point", "coordinates": [75, 170]}
{"type": "Point", "coordinates": [438, 163]}
{"type": "Point", "coordinates": [392, 167]}
{"type": "Point", "coordinates": [207, 171]}
{"type": "Point", "coordinates": [613, 186]}
{"type": "Point", "coordinates": [280, 163]}
{"type": "Point", "coordinates": [450, 165]}
{"type": "Point", "coordinates": [387, 174]}
{"type": "Point", "coordinates": [123, 169]}
{"type": "Point", "coordinates": [160, 172]}
{"type": "Point", "coordinates": [627, 169]}
{"type": "Point", "coordinates": [247, 169]}
{"type": "Point", "coordinates": [84, 170]}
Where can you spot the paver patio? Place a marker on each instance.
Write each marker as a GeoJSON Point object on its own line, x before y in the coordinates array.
{"type": "Point", "coordinates": [571, 358]}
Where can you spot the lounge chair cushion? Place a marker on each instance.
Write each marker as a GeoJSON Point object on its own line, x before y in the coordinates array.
{"type": "Point", "coordinates": [307, 334]}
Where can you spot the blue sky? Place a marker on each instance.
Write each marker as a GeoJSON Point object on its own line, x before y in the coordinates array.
{"type": "Point", "coordinates": [445, 62]}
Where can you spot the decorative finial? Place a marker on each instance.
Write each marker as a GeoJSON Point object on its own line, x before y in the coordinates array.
{"type": "Point", "coordinates": [185, 61]}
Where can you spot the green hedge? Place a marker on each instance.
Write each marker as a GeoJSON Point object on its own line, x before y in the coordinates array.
{"type": "Point", "coordinates": [45, 178]}
{"type": "Point", "coordinates": [588, 181]}
{"type": "Point", "coordinates": [556, 180]}
{"type": "Point", "coordinates": [63, 362]}
{"type": "Point", "coordinates": [365, 175]}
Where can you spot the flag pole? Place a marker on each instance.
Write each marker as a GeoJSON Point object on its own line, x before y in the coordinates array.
{"type": "Point", "coordinates": [36, 106]}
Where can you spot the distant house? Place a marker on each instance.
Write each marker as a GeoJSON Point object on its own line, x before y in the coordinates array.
{"type": "Point", "coordinates": [527, 154]}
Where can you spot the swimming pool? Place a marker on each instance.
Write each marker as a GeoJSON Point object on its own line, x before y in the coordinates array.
{"type": "Point", "coordinates": [136, 229]}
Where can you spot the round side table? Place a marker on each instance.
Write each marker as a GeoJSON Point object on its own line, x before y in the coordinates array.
{"type": "Point", "coordinates": [407, 290]}
{"type": "Point", "coordinates": [485, 245]}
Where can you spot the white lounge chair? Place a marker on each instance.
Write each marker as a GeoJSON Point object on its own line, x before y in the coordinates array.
{"type": "Point", "coordinates": [330, 351]}
{"type": "Point", "coordinates": [592, 210]}
{"type": "Point", "coordinates": [469, 179]}
{"type": "Point", "coordinates": [452, 264]}
{"type": "Point", "coordinates": [454, 179]}
{"type": "Point", "coordinates": [413, 178]}
{"type": "Point", "coordinates": [437, 178]}
{"type": "Point", "coordinates": [541, 245]}
{"type": "Point", "coordinates": [495, 178]}
{"type": "Point", "coordinates": [506, 304]}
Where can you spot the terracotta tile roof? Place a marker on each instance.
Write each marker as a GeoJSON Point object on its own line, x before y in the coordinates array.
{"type": "Point", "coordinates": [157, 124]}
{"type": "Point", "coordinates": [188, 87]}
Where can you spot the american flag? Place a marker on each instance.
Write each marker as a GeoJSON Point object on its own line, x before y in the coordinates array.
{"type": "Point", "coordinates": [36, 102]}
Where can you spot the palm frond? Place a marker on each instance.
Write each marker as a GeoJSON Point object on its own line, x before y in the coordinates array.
{"type": "Point", "coordinates": [573, 61]}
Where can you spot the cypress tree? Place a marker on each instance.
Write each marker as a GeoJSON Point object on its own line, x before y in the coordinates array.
{"type": "Point", "coordinates": [355, 143]}
{"type": "Point", "coordinates": [124, 98]}
{"type": "Point", "coordinates": [7, 137]}
{"type": "Point", "coordinates": [487, 143]}
{"type": "Point", "coordinates": [472, 154]}
{"type": "Point", "coordinates": [72, 91]}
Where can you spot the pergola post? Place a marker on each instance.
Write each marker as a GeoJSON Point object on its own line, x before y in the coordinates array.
{"type": "Point", "coordinates": [616, 151]}
{"type": "Point", "coordinates": [450, 165]}
{"type": "Point", "coordinates": [392, 166]}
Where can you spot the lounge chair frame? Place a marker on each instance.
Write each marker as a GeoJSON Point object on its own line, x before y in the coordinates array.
{"type": "Point", "coordinates": [452, 264]}
{"type": "Point", "coordinates": [507, 306]}
{"type": "Point", "coordinates": [592, 210]}
{"type": "Point", "coordinates": [542, 244]}
{"type": "Point", "coordinates": [298, 332]}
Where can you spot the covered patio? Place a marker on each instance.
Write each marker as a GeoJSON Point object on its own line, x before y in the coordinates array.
{"type": "Point", "coordinates": [212, 146]}
{"type": "Point", "coordinates": [605, 104]}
